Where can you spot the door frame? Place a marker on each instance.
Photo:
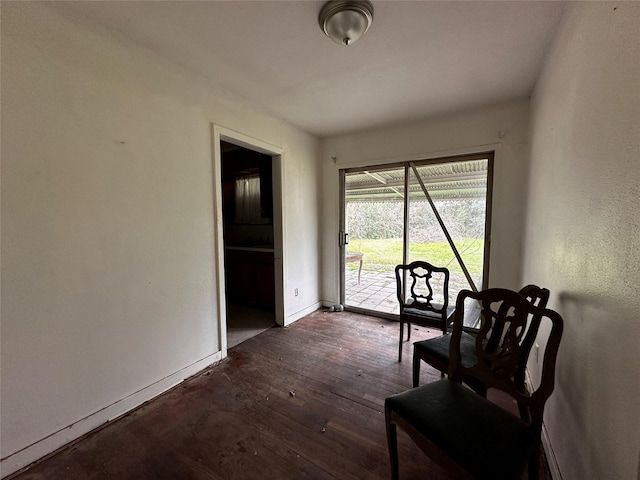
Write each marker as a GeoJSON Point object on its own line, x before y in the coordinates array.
{"type": "Point", "coordinates": [490, 154]}
{"type": "Point", "coordinates": [220, 133]}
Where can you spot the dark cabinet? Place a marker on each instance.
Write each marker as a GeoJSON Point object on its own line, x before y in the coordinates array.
{"type": "Point", "coordinates": [250, 277]}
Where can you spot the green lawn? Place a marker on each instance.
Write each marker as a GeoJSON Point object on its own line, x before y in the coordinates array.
{"type": "Point", "coordinates": [385, 254]}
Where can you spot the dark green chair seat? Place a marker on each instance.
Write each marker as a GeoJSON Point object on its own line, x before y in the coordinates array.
{"type": "Point", "coordinates": [438, 348]}
{"type": "Point", "coordinates": [477, 434]}
{"type": "Point", "coordinates": [416, 312]}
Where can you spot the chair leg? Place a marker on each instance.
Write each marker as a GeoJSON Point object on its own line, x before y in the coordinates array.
{"type": "Point", "coordinates": [400, 341]}
{"type": "Point", "coordinates": [392, 443]}
{"type": "Point", "coordinates": [408, 331]}
{"type": "Point", "coordinates": [524, 413]}
{"type": "Point", "coordinates": [416, 369]}
{"type": "Point", "coordinates": [534, 464]}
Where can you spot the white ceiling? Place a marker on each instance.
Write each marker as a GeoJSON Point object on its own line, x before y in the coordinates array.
{"type": "Point", "coordinates": [419, 59]}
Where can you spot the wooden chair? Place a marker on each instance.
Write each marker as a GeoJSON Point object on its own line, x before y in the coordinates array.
{"type": "Point", "coordinates": [464, 431]}
{"type": "Point", "coordinates": [435, 351]}
{"type": "Point", "coordinates": [415, 284]}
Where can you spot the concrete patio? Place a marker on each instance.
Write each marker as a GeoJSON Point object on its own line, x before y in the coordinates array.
{"type": "Point", "coordinates": [377, 290]}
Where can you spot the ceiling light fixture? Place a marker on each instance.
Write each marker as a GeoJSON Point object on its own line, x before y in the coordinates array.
{"type": "Point", "coordinates": [345, 21]}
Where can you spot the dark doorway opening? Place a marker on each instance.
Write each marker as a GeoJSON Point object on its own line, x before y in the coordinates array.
{"type": "Point", "coordinates": [247, 210]}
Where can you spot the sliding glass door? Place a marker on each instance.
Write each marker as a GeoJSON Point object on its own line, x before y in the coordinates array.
{"type": "Point", "coordinates": [373, 237]}
{"type": "Point", "coordinates": [436, 211]}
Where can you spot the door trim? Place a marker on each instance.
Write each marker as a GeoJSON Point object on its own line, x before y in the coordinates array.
{"type": "Point", "coordinates": [342, 248]}
{"type": "Point", "coordinates": [220, 133]}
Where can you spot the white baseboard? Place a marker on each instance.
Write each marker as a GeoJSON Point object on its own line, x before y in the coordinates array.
{"type": "Point", "coordinates": [551, 457]}
{"type": "Point", "coordinates": [546, 444]}
{"type": "Point", "coordinates": [49, 444]}
{"type": "Point", "coordinates": [302, 313]}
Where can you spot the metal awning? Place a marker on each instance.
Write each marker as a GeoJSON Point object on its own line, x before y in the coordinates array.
{"type": "Point", "coordinates": [449, 181]}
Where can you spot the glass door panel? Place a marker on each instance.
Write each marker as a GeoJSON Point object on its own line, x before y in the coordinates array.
{"type": "Point", "coordinates": [458, 192]}
{"type": "Point", "coordinates": [435, 211]}
{"type": "Point", "coordinates": [374, 227]}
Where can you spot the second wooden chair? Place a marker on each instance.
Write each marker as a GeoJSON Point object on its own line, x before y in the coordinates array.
{"type": "Point", "coordinates": [435, 351]}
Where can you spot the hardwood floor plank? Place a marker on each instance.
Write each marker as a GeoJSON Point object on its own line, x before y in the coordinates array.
{"type": "Point", "coordinates": [240, 420]}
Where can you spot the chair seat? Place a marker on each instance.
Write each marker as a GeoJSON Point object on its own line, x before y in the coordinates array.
{"type": "Point", "coordinates": [477, 434]}
{"type": "Point", "coordinates": [438, 348]}
{"type": "Point", "coordinates": [417, 313]}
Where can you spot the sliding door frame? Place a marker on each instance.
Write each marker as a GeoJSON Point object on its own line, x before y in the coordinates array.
{"type": "Point", "coordinates": [406, 164]}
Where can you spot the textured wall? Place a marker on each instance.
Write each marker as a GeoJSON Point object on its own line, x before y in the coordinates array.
{"type": "Point", "coordinates": [583, 235]}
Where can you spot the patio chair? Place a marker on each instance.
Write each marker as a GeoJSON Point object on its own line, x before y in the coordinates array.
{"type": "Point", "coordinates": [471, 436]}
{"type": "Point", "coordinates": [354, 257]}
{"type": "Point", "coordinates": [415, 284]}
{"type": "Point", "coordinates": [435, 351]}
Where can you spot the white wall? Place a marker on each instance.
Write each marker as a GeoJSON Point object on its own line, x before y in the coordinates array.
{"type": "Point", "coordinates": [502, 127]}
{"type": "Point", "coordinates": [108, 246]}
{"type": "Point", "coordinates": [301, 255]}
{"type": "Point", "coordinates": [583, 235]}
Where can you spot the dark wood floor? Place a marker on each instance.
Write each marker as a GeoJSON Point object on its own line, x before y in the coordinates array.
{"type": "Point", "coordinates": [303, 402]}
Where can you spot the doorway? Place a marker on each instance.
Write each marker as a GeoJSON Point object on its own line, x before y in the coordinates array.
{"type": "Point", "coordinates": [436, 210]}
{"type": "Point", "coordinates": [249, 269]}
{"type": "Point", "coordinates": [248, 207]}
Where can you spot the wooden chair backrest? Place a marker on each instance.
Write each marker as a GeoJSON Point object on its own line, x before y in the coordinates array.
{"type": "Point", "coordinates": [418, 289]}
{"type": "Point", "coordinates": [502, 344]}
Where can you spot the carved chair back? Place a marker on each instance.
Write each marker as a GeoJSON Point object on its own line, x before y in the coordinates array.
{"type": "Point", "coordinates": [509, 324]}
{"type": "Point", "coordinates": [423, 286]}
